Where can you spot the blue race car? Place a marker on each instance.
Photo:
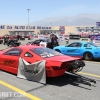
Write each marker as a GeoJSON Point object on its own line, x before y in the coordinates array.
{"type": "Point", "coordinates": [86, 50]}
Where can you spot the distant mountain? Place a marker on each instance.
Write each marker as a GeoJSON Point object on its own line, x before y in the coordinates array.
{"type": "Point", "coordinates": [79, 20]}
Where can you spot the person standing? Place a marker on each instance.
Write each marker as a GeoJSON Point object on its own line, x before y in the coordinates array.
{"type": "Point", "coordinates": [54, 41]}
{"type": "Point", "coordinates": [5, 39]}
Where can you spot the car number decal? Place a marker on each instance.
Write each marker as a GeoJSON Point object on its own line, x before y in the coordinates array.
{"type": "Point", "coordinates": [9, 62]}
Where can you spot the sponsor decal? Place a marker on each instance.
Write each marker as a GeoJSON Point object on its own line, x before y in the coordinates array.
{"type": "Point", "coordinates": [9, 62]}
{"type": "Point", "coordinates": [31, 71]}
{"type": "Point", "coordinates": [73, 50]}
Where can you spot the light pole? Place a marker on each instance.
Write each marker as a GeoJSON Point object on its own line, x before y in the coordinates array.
{"type": "Point", "coordinates": [51, 24]}
{"type": "Point", "coordinates": [28, 15]}
{"type": "Point", "coordinates": [51, 27]}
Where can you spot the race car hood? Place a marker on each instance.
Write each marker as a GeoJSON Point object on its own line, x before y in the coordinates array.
{"type": "Point", "coordinates": [59, 47]}
{"type": "Point", "coordinates": [58, 60]}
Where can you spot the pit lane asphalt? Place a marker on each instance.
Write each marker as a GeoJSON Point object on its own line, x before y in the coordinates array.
{"type": "Point", "coordinates": [61, 88]}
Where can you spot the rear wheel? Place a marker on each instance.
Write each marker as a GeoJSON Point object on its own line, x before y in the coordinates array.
{"type": "Point", "coordinates": [88, 56]}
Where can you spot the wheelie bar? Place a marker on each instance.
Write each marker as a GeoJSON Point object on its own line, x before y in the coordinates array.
{"type": "Point", "coordinates": [82, 79]}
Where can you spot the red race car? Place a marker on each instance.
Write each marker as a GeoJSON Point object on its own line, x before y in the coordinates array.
{"type": "Point", "coordinates": [56, 63]}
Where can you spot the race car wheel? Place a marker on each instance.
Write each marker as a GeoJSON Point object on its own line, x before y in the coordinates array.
{"type": "Point", "coordinates": [58, 50]}
{"type": "Point", "coordinates": [88, 56]}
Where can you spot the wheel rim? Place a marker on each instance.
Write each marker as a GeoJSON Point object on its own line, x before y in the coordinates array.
{"type": "Point", "coordinates": [88, 56]}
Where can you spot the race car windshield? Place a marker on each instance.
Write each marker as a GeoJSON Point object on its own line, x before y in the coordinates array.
{"type": "Point", "coordinates": [45, 52]}
{"type": "Point", "coordinates": [46, 40]}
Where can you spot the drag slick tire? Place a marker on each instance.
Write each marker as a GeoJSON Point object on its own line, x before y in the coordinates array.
{"type": "Point", "coordinates": [88, 56]}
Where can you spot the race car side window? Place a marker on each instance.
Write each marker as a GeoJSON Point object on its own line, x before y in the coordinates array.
{"type": "Point", "coordinates": [87, 45]}
{"type": "Point", "coordinates": [75, 45]}
{"type": "Point", "coordinates": [78, 45]}
{"type": "Point", "coordinates": [42, 40]}
{"type": "Point", "coordinates": [27, 54]}
{"type": "Point", "coordinates": [14, 52]}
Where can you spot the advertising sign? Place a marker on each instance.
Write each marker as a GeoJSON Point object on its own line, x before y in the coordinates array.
{"type": "Point", "coordinates": [95, 39]}
{"type": "Point", "coordinates": [62, 29]}
{"type": "Point", "coordinates": [85, 39]}
{"type": "Point", "coordinates": [98, 24]}
{"type": "Point", "coordinates": [84, 35]}
{"type": "Point", "coordinates": [74, 36]}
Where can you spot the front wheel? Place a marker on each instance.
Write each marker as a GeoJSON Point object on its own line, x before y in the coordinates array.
{"type": "Point", "coordinates": [88, 56]}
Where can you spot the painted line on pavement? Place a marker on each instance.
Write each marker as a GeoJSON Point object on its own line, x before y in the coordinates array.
{"type": "Point", "coordinates": [93, 75]}
{"type": "Point", "coordinates": [19, 91]}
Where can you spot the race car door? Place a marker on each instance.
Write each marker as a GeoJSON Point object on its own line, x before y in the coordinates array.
{"type": "Point", "coordinates": [10, 60]}
{"type": "Point", "coordinates": [73, 49]}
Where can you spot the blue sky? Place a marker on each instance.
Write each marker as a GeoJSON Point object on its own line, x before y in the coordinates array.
{"type": "Point", "coordinates": [15, 11]}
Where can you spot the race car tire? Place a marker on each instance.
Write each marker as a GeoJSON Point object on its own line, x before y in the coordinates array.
{"type": "Point", "coordinates": [88, 56]}
{"type": "Point", "coordinates": [58, 50]}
